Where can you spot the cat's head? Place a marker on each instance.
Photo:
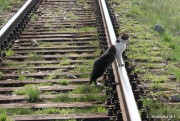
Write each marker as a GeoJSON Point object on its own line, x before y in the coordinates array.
{"type": "Point", "coordinates": [124, 37]}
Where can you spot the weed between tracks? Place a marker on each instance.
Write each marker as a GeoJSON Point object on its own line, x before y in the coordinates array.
{"type": "Point", "coordinates": [64, 82]}
{"type": "Point", "coordinates": [86, 90]}
{"type": "Point", "coordinates": [22, 77]}
{"type": "Point", "coordinates": [71, 15]}
{"type": "Point", "coordinates": [10, 52]}
{"type": "Point", "coordinates": [84, 69]}
{"type": "Point", "coordinates": [4, 5]}
{"type": "Point", "coordinates": [1, 75]}
{"type": "Point", "coordinates": [46, 44]}
{"type": "Point", "coordinates": [33, 95]}
{"type": "Point", "coordinates": [4, 117]}
{"type": "Point", "coordinates": [23, 111]}
{"type": "Point", "coordinates": [34, 18]}
{"type": "Point", "coordinates": [31, 91]}
{"type": "Point", "coordinates": [64, 61]}
{"type": "Point", "coordinates": [79, 29]}
{"type": "Point", "coordinates": [85, 98]}
{"type": "Point", "coordinates": [34, 57]}
{"type": "Point", "coordinates": [95, 109]}
{"type": "Point", "coordinates": [7, 8]}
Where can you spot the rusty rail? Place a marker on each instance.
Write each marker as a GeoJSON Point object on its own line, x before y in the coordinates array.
{"type": "Point", "coordinates": [127, 101]}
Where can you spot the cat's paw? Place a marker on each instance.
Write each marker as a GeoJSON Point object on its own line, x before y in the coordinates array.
{"type": "Point", "coordinates": [98, 84]}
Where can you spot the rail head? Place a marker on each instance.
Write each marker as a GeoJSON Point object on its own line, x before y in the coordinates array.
{"type": "Point", "coordinates": [14, 21]}
{"type": "Point", "coordinates": [125, 94]}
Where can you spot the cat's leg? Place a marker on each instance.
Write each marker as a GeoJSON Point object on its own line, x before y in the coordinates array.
{"type": "Point", "coordinates": [96, 72]}
{"type": "Point", "coordinates": [120, 61]}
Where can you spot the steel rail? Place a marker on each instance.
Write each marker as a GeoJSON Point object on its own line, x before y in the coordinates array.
{"type": "Point", "coordinates": [15, 20]}
{"type": "Point", "coordinates": [125, 94]}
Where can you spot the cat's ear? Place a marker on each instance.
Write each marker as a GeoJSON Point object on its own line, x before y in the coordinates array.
{"type": "Point", "coordinates": [118, 39]}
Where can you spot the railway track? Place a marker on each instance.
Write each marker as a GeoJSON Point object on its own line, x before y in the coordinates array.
{"type": "Point", "coordinates": [47, 59]}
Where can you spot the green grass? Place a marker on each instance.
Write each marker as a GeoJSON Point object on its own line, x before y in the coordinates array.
{"type": "Point", "coordinates": [22, 77]}
{"type": "Point", "coordinates": [6, 4]}
{"type": "Point", "coordinates": [33, 94]}
{"type": "Point", "coordinates": [3, 117]}
{"type": "Point", "coordinates": [22, 111]}
{"type": "Point", "coordinates": [64, 82]}
{"type": "Point", "coordinates": [84, 69]}
{"type": "Point", "coordinates": [20, 91]}
{"type": "Point", "coordinates": [82, 1]}
{"type": "Point", "coordinates": [30, 90]}
{"type": "Point", "coordinates": [174, 70]}
{"type": "Point", "coordinates": [158, 108]}
{"type": "Point", "coordinates": [15, 64]}
{"type": "Point", "coordinates": [44, 84]}
{"type": "Point", "coordinates": [82, 29]}
{"type": "Point", "coordinates": [86, 98]}
{"type": "Point", "coordinates": [156, 87]}
{"type": "Point", "coordinates": [95, 109]}
{"type": "Point", "coordinates": [71, 15]}
{"type": "Point", "coordinates": [1, 75]}
{"type": "Point", "coordinates": [34, 57]}
{"type": "Point", "coordinates": [156, 54]}
{"type": "Point", "coordinates": [89, 63]}
{"type": "Point", "coordinates": [52, 76]}
{"type": "Point", "coordinates": [177, 73]}
{"type": "Point", "coordinates": [167, 111]}
{"type": "Point", "coordinates": [152, 12]}
{"type": "Point", "coordinates": [88, 29]}
{"type": "Point", "coordinates": [10, 52]}
{"type": "Point", "coordinates": [87, 90]}
{"type": "Point", "coordinates": [64, 61]}
{"type": "Point", "coordinates": [154, 78]}
{"type": "Point", "coordinates": [16, 111]}
{"type": "Point", "coordinates": [57, 71]}
{"type": "Point", "coordinates": [94, 43]}
{"type": "Point", "coordinates": [46, 44]}
{"type": "Point", "coordinates": [67, 30]}
{"type": "Point", "coordinates": [34, 18]}
{"type": "Point", "coordinates": [140, 70]}
{"type": "Point", "coordinates": [156, 12]}
{"type": "Point", "coordinates": [152, 65]}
